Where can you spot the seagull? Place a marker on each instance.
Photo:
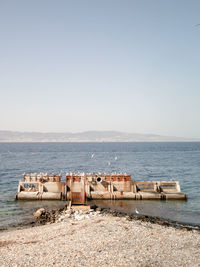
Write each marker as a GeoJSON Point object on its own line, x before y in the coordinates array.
{"type": "Point", "coordinates": [136, 211]}
{"type": "Point", "coordinates": [115, 158]}
{"type": "Point", "coordinates": [92, 156]}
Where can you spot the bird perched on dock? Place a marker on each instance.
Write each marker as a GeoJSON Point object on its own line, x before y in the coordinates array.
{"type": "Point", "coordinates": [136, 211]}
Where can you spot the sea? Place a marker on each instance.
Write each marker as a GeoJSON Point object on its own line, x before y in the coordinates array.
{"type": "Point", "coordinates": [145, 161]}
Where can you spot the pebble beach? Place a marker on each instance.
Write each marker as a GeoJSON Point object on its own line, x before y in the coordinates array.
{"type": "Point", "coordinates": [92, 238]}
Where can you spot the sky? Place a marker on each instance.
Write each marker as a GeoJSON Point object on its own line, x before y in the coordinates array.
{"type": "Point", "coordinates": [79, 65]}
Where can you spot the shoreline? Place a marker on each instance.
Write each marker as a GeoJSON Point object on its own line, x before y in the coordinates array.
{"type": "Point", "coordinates": [52, 213]}
{"type": "Point", "coordinates": [99, 238]}
{"type": "Point", "coordinates": [153, 219]}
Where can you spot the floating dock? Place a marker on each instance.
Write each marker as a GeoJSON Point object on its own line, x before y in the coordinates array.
{"type": "Point", "coordinates": [79, 187]}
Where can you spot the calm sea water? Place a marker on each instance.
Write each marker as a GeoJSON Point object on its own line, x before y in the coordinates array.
{"type": "Point", "coordinates": [144, 161]}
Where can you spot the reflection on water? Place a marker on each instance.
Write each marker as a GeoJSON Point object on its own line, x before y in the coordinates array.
{"type": "Point", "coordinates": [27, 205]}
{"type": "Point", "coordinates": [170, 209]}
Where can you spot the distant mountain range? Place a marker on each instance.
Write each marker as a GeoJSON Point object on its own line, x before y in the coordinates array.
{"type": "Point", "coordinates": [89, 136]}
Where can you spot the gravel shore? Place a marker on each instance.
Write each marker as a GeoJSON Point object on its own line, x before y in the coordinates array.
{"type": "Point", "coordinates": [90, 238]}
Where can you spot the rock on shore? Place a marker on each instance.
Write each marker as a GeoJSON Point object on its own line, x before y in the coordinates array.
{"type": "Point", "coordinates": [93, 238]}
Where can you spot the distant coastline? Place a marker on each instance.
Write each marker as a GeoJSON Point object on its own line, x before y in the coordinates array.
{"type": "Point", "coordinates": [89, 136]}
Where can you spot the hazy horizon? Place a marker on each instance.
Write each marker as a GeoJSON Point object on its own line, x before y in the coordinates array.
{"type": "Point", "coordinates": [79, 132]}
{"type": "Point", "coordinates": [74, 66]}
{"type": "Point", "coordinates": [88, 136]}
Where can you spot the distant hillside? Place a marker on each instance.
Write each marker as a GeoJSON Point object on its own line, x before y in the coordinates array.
{"type": "Point", "coordinates": [89, 136]}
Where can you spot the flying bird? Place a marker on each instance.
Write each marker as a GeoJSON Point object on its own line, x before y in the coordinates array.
{"type": "Point", "coordinates": [136, 211]}
{"type": "Point", "coordinates": [92, 156]}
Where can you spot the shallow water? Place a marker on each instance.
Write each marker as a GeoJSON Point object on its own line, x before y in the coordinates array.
{"type": "Point", "coordinates": [144, 161]}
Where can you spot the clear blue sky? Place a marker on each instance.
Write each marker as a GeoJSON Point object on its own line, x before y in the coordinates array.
{"type": "Point", "coordinates": [131, 66]}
